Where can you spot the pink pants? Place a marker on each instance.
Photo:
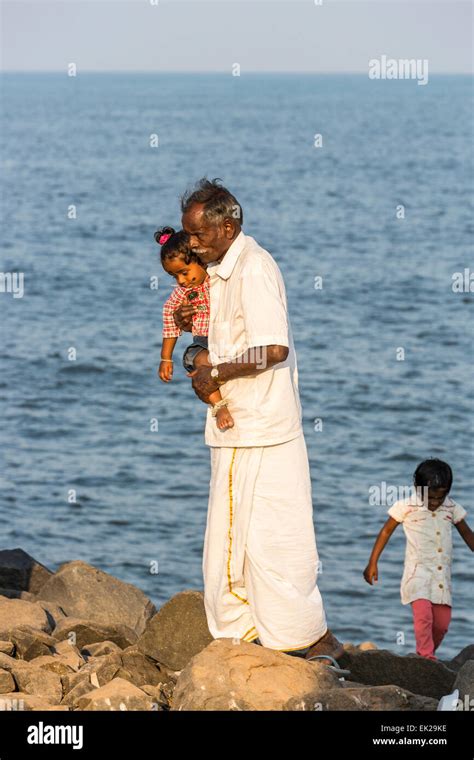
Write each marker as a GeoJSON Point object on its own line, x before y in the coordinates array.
{"type": "Point", "coordinates": [431, 623]}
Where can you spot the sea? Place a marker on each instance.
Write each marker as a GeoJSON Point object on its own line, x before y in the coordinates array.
{"type": "Point", "coordinates": [361, 190]}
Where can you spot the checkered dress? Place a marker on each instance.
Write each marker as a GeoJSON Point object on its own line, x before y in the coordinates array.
{"type": "Point", "coordinates": [200, 318]}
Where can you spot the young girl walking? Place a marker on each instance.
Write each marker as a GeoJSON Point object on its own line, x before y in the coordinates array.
{"type": "Point", "coordinates": [192, 288]}
{"type": "Point", "coordinates": [427, 517]}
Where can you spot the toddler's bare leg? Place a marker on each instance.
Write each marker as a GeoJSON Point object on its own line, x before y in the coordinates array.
{"type": "Point", "coordinates": [224, 418]}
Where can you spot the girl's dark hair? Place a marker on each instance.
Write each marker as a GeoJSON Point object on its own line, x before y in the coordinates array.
{"type": "Point", "coordinates": [177, 245]}
{"type": "Point", "coordinates": [433, 473]}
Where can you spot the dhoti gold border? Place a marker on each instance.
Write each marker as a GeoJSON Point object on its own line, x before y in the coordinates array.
{"type": "Point", "coordinates": [231, 516]}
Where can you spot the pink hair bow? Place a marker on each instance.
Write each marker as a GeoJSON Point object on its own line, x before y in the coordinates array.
{"type": "Point", "coordinates": [164, 237]}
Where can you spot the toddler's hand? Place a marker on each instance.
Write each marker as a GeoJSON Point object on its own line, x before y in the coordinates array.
{"type": "Point", "coordinates": [371, 573]}
{"type": "Point", "coordinates": [165, 371]}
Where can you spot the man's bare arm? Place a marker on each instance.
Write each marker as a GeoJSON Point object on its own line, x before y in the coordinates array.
{"type": "Point", "coordinates": [247, 364]}
{"type": "Point", "coordinates": [252, 362]}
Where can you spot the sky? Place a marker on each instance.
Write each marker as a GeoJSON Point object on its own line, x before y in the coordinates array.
{"type": "Point", "coordinates": [259, 35]}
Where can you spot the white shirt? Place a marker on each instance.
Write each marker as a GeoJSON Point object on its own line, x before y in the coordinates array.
{"type": "Point", "coordinates": [248, 308]}
{"type": "Point", "coordinates": [427, 571]}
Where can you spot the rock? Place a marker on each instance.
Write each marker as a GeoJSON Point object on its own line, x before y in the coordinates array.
{"type": "Point", "coordinates": [7, 647]}
{"type": "Point", "coordinates": [102, 669]}
{"type": "Point", "coordinates": [242, 676]}
{"type": "Point", "coordinates": [100, 648]}
{"type": "Point", "coordinates": [160, 695]}
{"type": "Point", "coordinates": [7, 682]}
{"type": "Point", "coordinates": [53, 611]}
{"type": "Point", "coordinates": [54, 663]}
{"type": "Point", "coordinates": [140, 669]}
{"type": "Point", "coordinates": [18, 570]}
{"type": "Point", "coordinates": [464, 655]}
{"type": "Point", "coordinates": [30, 643]}
{"type": "Point", "coordinates": [416, 674]}
{"type": "Point", "coordinates": [130, 665]}
{"type": "Point", "coordinates": [14, 593]}
{"type": "Point", "coordinates": [374, 698]}
{"type": "Point", "coordinates": [349, 647]}
{"type": "Point", "coordinates": [21, 701]}
{"type": "Point", "coordinates": [465, 681]}
{"type": "Point", "coordinates": [119, 694]}
{"type": "Point", "coordinates": [10, 663]}
{"type": "Point", "coordinates": [82, 632]}
{"type": "Point", "coordinates": [41, 683]}
{"type": "Point", "coordinates": [32, 680]}
{"type": "Point", "coordinates": [366, 646]}
{"type": "Point", "coordinates": [15, 613]}
{"type": "Point", "coordinates": [81, 687]}
{"type": "Point", "coordinates": [178, 631]}
{"type": "Point", "coordinates": [69, 654]}
{"type": "Point", "coordinates": [84, 591]}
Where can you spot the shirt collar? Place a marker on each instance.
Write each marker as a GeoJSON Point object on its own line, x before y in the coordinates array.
{"type": "Point", "coordinates": [226, 267]}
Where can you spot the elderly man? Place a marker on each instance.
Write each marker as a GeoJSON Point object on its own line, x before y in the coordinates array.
{"type": "Point", "coordinates": [260, 559]}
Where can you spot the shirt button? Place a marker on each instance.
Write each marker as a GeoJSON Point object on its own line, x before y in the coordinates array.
{"type": "Point", "coordinates": [433, 514]}
{"type": "Point", "coordinates": [440, 550]}
{"type": "Point", "coordinates": [440, 567]}
{"type": "Point", "coordinates": [438, 533]}
{"type": "Point", "coordinates": [441, 585]}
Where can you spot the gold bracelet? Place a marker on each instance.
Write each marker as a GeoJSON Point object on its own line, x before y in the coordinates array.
{"type": "Point", "coordinates": [166, 360]}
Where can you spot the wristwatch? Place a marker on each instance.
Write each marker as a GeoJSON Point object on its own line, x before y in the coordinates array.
{"type": "Point", "coordinates": [215, 376]}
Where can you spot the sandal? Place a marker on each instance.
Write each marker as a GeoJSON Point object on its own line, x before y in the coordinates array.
{"type": "Point", "coordinates": [341, 672]}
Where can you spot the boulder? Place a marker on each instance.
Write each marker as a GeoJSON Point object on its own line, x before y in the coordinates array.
{"type": "Point", "coordinates": [231, 674]}
{"type": "Point", "coordinates": [178, 631]}
{"type": "Point", "coordinates": [15, 613]}
{"type": "Point", "coordinates": [119, 694]}
{"type": "Point", "coordinates": [83, 591]}
{"type": "Point", "coordinates": [464, 655]}
{"type": "Point", "coordinates": [103, 669]}
{"type": "Point", "coordinates": [6, 647]}
{"type": "Point", "coordinates": [41, 683]}
{"type": "Point", "coordinates": [32, 680]}
{"type": "Point", "coordinates": [20, 701]}
{"type": "Point", "coordinates": [130, 665]}
{"type": "Point", "coordinates": [365, 646]}
{"type": "Point", "coordinates": [465, 681]}
{"type": "Point", "coordinates": [53, 611]}
{"type": "Point", "coordinates": [69, 654]}
{"type": "Point", "coordinates": [82, 632]}
{"type": "Point", "coordinates": [374, 698]}
{"type": "Point", "coordinates": [139, 669]}
{"type": "Point", "coordinates": [416, 674]}
{"type": "Point", "coordinates": [79, 688]}
{"type": "Point", "coordinates": [11, 664]}
{"type": "Point", "coordinates": [19, 571]}
{"type": "Point", "coordinates": [14, 593]}
{"type": "Point", "coordinates": [160, 695]}
{"type": "Point", "coordinates": [53, 663]}
{"type": "Point", "coordinates": [30, 643]}
{"type": "Point", "coordinates": [7, 682]}
{"type": "Point", "coordinates": [100, 648]}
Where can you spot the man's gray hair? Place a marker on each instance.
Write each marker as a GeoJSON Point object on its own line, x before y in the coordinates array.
{"type": "Point", "coordinates": [219, 203]}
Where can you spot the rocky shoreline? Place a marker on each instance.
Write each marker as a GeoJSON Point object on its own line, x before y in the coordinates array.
{"type": "Point", "coordinates": [81, 639]}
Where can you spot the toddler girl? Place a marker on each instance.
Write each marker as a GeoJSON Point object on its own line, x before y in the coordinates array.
{"type": "Point", "coordinates": [192, 288]}
{"type": "Point", "coordinates": [427, 519]}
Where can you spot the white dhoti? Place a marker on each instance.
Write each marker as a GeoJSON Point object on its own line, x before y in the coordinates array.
{"type": "Point", "coordinates": [260, 561]}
